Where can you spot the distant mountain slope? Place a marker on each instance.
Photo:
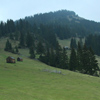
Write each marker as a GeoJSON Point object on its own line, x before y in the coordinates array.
{"type": "Point", "coordinates": [76, 24]}
{"type": "Point", "coordinates": [63, 24]}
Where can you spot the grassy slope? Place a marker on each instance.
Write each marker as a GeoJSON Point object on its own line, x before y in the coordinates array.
{"type": "Point", "coordinates": [64, 42]}
{"type": "Point", "coordinates": [27, 81]}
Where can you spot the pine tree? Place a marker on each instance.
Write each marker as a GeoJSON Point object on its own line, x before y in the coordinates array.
{"type": "Point", "coordinates": [73, 60]}
{"type": "Point", "coordinates": [58, 54]}
{"type": "Point", "coordinates": [35, 28]}
{"type": "Point", "coordinates": [64, 60]}
{"type": "Point", "coordinates": [52, 57]}
{"type": "Point", "coordinates": [79, 57]}
{"type": "Point", "coordinates": [8, 46]}
{"type": "Point", "coordinates": [13, 51]}
{"type": "Point", "coordinates": [93, 63]}
{"type": "Point", "coordinates": [85, 59]}
{"type": "Point", "coordinates": [31, 51]}
{"type": "Point", "coordinates": [73, 43]}
{"type": "Point", "coordinates": [90, 65]}
{"type": "Point", "coordinates": [47, 56]}
{"type": "Point", "coordinates": [22, 41]}
{"type": "Point", "coordinates": [29, 40]}
{"type": "Point", "coordinates": [11, 36]}
{"type": "Point", "coordinates": [16, 35]}
{"type": "Point", "coordinates": [40, 48]}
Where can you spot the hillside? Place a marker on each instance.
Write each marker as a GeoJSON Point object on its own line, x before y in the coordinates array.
{"type": "Point", "coordinates": [34, 80]}
{"type": "Point", "coordinates": [47, 26]}
{"type": "Point", "coordinates": [77, 25]}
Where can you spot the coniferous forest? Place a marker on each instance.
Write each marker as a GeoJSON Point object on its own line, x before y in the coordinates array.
{"type": "Point", "coordinates": [39, 33]}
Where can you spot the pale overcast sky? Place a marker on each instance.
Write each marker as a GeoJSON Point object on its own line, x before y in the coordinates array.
{"type": "Point", "coordinates": [16, 9]}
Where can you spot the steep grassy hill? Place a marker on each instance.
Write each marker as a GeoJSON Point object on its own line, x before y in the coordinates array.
{"type": "Point", "coordinates": [33, 80]}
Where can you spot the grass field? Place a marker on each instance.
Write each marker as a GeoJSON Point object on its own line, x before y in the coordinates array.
{"type": "Point", "coordinates": [33, 80]}
{"type": "Point", "coordinates": [65, 42]}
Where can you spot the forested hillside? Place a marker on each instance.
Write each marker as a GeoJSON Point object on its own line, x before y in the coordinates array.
{"type": "Point", "coordinates": [63, 18]}
{"type": "Point", "coordinates": [63, 23]}
{"type": "Point", "coordinates": [39, 34]}
{"type": "Point", "coordinates": [94, 42]}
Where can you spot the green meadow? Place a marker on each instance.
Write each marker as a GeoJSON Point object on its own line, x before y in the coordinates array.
{"type": "Point", "coordinates": [34, 80]}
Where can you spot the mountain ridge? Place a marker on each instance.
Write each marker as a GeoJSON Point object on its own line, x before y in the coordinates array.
{"type": "Point", "coordinates": [65, 17]}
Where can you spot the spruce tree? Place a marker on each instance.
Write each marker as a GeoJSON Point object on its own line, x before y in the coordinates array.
{"type": "Point", "coordinates": [79, 57]}
{"type": "Point", "coordinates": [64, 59]}
{"type": "Point", "coordinates": [31, 51]}
{"type": "Point", "coordinates": [11, 36]}
{"type": "Point", "coordinates": [93, 63]}
{"type": "Point", "coordinates": [47, 56]}
{"type": "Point", "coordinates": [90, 65]}
{"type": "Point", "coordinates": [52, 57]}
{"type": "Point", "coordinates": [73, 43]}
{"type": "Point", "coordinates": [13, 51]}
{"type": "Point", "coordinates": [8, 46]}
{"type": "Point", "coordinates": [58, 54]}
{"type": "Point", "coordinates": [40, 48]}
{"type": "Point", "coordinates": [29, 40]}
{"type": "Point", "coordinates": [73, 60]}
{"type": "Point", "coordinates": [85, 59]}
{"type": "Point", "coordinates": [22, 41]}
{"type": "Point", "coordinates": [16, 35]}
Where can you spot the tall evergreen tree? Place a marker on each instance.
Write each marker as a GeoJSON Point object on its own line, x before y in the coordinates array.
{"type": "Point", "coordinates": [90, 65]}
{"type": "Point", "coordinates": [22, 40]}
{"type": "Point", "coordinates": [8, 46]}
{"type": "Point", "coordinates": [32, 53]}
{"type": "Point", "coordinates": [52, 57]}
{"type": "Point", "coordinates": [79, 57]}
{"type": "Point", "coordinates": [73, 43]}
{"type": "Point", "coordinates": [10, 26]}
{"type": "Point", "coordinates": [73, 60]}
{"type": "Point", "coordinates": [40, 48]}
{"type": "Point", "coordinates": [58, 54]}
{"type": "Point", "coordinates": [11, 36]}
{"type": "Point", "coordinates": [29, 40]}
{"type": "Point", "coordinates": [16, 35]}
{"type": "Point", "coordinates": [47, 56]}
{"type": "Point", "coordinates": [85, 59]}
{"type": "Point", "coordinates": [64, 60]}
{"type": "Point", "coordinates": [93, 63]}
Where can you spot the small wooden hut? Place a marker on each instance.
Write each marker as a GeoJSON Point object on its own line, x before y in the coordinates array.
{"type": "Point", "coordinates": [67, 48]}
{"type": "Point", "coordinates": [10, 59]}
{"type": "Point", "coordinates": [19, 59]}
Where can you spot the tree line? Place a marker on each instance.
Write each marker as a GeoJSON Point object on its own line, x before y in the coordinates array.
{"type": "Point", "coordinates": [40, 38]}
{"type": "Point", "coordinates": [9, 48]}
{"type": "Point", "coordinates": [81, 59]}
{"type": "Point", "coordinates": [76, 24]}
{"type": "Point", "coordinates": [94, 42]}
